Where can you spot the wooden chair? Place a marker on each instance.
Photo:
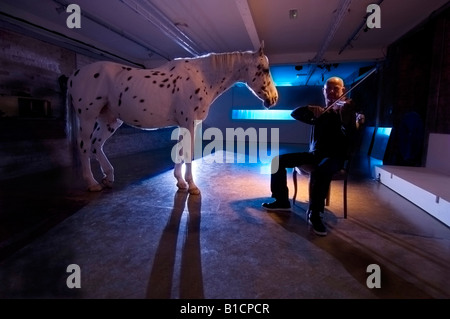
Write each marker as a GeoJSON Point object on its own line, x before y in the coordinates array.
{"type": "Point", "coordinates": [341, 175]}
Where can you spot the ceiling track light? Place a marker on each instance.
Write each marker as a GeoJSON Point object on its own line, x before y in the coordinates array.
{"type": "Point", "coordinates": [338, 18]}
{"type": "Point", "coordinates": [121, 33]}
{"type": "Point", "coordinates": [362, 26]}
{"type": "Point", "coordinates": [152, 14]}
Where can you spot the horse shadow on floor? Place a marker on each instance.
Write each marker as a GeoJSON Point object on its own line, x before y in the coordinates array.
{"type": "Point", "coordinates": [160, 284]}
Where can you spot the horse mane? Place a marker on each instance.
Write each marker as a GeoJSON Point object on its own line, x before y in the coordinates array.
{"type": "Point", "coordinates": [227, 58]}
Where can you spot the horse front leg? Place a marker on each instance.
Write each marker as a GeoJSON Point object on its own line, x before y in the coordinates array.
{"type": "Point", "coordinates": [189, 157]}
{"type": "Point", "coordinates": [193, 189]}
{"type": "Point", "coordinates": [182, 153]}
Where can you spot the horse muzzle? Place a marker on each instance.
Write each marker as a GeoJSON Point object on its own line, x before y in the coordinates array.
{"type": "Point", "coordinates": [270, 101]}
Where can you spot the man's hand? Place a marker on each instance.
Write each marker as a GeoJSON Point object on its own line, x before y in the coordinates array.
{"type": "Point", "coordinates": [337, 107]}
{"type": "Point", "coordinates": [317, 110]}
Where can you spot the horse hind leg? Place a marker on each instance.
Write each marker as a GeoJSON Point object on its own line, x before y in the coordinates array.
{"type": "Point", "coordinates": [83, 144]}
{"type": "Point", "coordinates": [177, 158]}
{"type": "Point", "coordinates": [104, 129]}
{"type": "Point", "coordinates": [177, 172]}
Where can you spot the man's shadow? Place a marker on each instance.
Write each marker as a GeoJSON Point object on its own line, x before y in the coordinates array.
{"type": "Point", "coordinates": [191, 279]}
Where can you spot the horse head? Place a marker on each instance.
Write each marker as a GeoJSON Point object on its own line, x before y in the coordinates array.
{"type": "Point", "coordinates": [260, 79]}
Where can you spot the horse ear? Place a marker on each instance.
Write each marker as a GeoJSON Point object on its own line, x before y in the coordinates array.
{"type": "Point", "coordinates": [261, 48]}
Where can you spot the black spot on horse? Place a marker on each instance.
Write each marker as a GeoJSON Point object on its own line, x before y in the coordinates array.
{"type": "Point", "coordinates": [76, 72]}
{"type": "Point", "coordinates": [96, 75]}
{"type": "Point", "coordinates": [196, 91]}
{"type": "Point", "coordinates": [196, 108]}
{"type": "Point", "coordinates": [79, 100]}
{"type": "Point", "coordinates": [94, 140]}
{"type": "Point", "coordinates": [79, 111]}
{"type": "Point", "coordinates": [147, 76]}
{"type": "Point", "coordinates": [141, 101]}
{"type": "Point", "coordinates": [81, 144]}
{"type": "Point", "coordinates": [126, 89]}
{"type": "Point", "coordinates": [98, 98]}
{"type": "Point", "coordinates": [172, 68]}
{"type": "Point", "coordinates": [129, 78]}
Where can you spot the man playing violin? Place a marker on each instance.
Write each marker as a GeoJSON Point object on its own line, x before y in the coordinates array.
{"type": "Point", "coordinates": [333, 128]}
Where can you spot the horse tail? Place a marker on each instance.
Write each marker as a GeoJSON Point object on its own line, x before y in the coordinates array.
{"type": "Point", "coordinates": [71, 127]}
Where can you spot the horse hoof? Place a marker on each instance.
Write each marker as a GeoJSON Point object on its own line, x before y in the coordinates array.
{"type": "Point", "coordinates": [95, 188]}
{"type": "Point", "coordinates": [107, 183]}
{"type": "Point", "coordinates": [194, 191]}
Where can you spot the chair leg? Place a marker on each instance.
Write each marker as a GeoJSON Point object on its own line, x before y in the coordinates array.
{"type": "Point", "coordinates": [345, 198]}
{"type": "Point", "coordinates": [327, 200]}
{"type": "Point", "coordinates": [294, 176]}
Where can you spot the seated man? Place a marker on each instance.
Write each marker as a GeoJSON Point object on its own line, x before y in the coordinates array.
{"type": "Point", "coordinates": [331, 140]}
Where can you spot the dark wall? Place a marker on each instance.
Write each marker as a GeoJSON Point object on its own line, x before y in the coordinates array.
{"type": "Point", "coordinates": [33, 141]}
{"type": "Point", "coordinates": [415, 90]}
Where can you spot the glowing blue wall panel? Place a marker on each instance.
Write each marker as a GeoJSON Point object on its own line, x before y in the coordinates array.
{"type": "Point", "coordinates": [281, 115]}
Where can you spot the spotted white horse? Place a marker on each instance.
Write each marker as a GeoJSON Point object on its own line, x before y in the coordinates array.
{"type": "Point", "coordinates": [179, 93]}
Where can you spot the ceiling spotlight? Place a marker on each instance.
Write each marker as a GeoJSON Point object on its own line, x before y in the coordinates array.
{"type": "Point", "coordinates": [293, 14]}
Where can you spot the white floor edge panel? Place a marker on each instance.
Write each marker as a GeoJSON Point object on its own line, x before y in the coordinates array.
{"type": "Point", "coordinates": [402, 182]}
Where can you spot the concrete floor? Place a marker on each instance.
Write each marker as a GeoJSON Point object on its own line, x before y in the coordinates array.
{"type": "Point", "coordinates": [144, 239]}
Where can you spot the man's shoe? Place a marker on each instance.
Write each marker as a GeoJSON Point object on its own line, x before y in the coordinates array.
{"type": "Point", "coordinates": [277, 205]}
{"type": "Point", "coordinates": [317, 224]}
